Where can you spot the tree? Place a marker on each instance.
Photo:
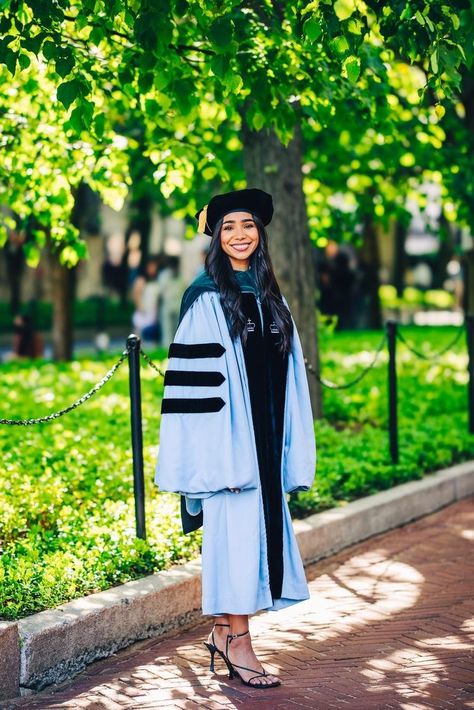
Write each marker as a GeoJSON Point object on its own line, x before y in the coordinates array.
{"type": "Point", "coordinates": [191, 69]}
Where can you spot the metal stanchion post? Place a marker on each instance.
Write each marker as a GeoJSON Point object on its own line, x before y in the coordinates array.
{"type": "Point", "coordinates": [392, 389]}
{"type": "Point", "coordinates": [133, 347]}
{"type": "Point", "coordinates": [470, 368]}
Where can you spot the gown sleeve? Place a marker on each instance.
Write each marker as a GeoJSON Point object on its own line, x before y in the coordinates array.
{"type": "Point", "coordinates": [206, 433]}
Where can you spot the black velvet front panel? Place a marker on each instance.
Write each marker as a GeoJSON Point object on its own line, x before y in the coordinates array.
{"type": "Point", "coordinates": [266, 372]}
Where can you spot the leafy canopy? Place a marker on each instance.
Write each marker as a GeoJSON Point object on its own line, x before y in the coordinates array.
{"type": "Point", "coordinates": [96, 85]}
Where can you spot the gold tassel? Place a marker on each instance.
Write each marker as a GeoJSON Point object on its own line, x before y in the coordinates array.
{"type": "Point", "coordinates": [202, 220]}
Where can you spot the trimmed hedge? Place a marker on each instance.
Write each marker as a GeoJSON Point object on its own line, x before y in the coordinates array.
{"type": "Point", "coordinates": [88, 313]}
{"type": "Point", "coordinates": [66, 500]}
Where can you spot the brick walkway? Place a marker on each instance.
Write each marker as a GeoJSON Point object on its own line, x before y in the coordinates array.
{"type": "Point", "coordinates": [390, 625]}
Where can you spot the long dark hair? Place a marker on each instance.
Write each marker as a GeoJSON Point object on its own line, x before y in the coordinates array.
{"type": "Point", "coordinates": [219, 268]}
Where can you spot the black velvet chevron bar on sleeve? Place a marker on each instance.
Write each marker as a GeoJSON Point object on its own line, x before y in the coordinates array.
{"type": "Point", "coordinates": [193, 378]}
{"type": "Point", "coordinates": [194, 405]}
{"type": "Point", "coordinates": [196, 350]}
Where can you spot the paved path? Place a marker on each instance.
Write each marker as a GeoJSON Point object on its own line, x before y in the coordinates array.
{"type": "Point", "coordinates": [390, 625]}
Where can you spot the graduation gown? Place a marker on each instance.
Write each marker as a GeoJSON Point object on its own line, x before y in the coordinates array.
{"type": "Point", "coordinates": [237, 416]}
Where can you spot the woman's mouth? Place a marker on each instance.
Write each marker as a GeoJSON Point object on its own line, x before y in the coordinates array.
{"type": "Point", "coordinates": [241, 247]}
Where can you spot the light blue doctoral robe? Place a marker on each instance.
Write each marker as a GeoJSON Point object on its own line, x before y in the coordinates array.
{"type": "Point", "coordinates": [204, 454]}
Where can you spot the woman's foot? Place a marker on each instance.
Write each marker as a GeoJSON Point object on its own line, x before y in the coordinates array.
{"type": "Point", "coordinates": [241, 653]}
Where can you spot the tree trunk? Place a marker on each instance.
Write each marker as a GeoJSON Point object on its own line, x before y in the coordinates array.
{"type": "Point", "coordinates": [62, 289]}
{"type": "Point", "coordinates": [468, 264]}
{"type": "Point", "coordinates": [276, 169]}
{"type": "Point", "coordinates": [399, 262]}
{"type": "Point", "coordinates": [369, 262]}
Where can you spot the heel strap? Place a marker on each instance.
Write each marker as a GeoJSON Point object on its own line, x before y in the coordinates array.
{"type": "Point", "coordinates": [235, 636]}
{"type": "Point", "coordinates": [222, 625]}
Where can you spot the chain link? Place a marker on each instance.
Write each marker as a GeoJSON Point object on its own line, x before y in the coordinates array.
{"type": "Point", "coordinates": [433, 356]}
{"type": "Point", "coordinates": [333, 386]}
{"type": "Point", "coordinates": [77, 403]}
{"type": "Point", "coordinates": [150, 362]}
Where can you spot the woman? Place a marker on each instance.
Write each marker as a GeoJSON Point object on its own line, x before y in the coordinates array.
{"type": "Point", "coordinates": [237, 429]}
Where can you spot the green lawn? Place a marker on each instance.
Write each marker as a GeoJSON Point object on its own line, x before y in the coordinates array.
{"type": "Point", "coordinates": [66, 500]}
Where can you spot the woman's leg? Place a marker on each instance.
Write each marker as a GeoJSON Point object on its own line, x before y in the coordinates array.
{"type": "Point", "coordinates": [241, 653]}
{"type": "Point", "coordinates": [220, 630]}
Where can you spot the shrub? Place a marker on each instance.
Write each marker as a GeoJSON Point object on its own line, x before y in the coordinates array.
{"type": "Point", "coordinates": [66, 500]}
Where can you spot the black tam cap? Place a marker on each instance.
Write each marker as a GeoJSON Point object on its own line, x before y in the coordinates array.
{"type": "Point", "coordinates": [252, 200]}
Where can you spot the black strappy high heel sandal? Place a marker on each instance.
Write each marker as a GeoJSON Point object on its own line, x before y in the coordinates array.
{"type": "Point", "coordinates": [212, 648]}
{"type": "Point", "coordinates": [233, 672]}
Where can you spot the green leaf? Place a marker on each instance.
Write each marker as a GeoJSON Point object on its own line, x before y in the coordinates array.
{"type": "Point", "coordinates": [352, 67]}
{"type": "Point", "coordinates": [219, 65]}
{"type": "Point", "coordinates": [429, 23]}
{"type": "Point", "coordinates": [9, 58]}
{"type": "Point", "coordinates": [355, 26]}
{"type": "Point", "coordinates": [32, 254]}
{"type": "Point", "coordinates": [406, 12]}
{"type": "Point", "coordinates": [75, 120]}
{"type": "Point", "coordinates": [24, 61]}
{"type": "Point", "coordinates": [455, 20]}
{"type": "Point", "coordinates": [69, 255]}
{"type": "Point", "coordinates": [234, 83]}
{"type": "Point", "coordinates": [185, 95]}
{"type": "Point", "coordinates": [64, 64]}
{"type": "Point", "coordinates": [312, 29]}
{"type": "Point", "coordinates": [160, 80]}
{"type": "Point", "coordinates": [258, 121]}
{"type": "Point", "coordinates": [419, 18]}
{"type": "Point", "coordinates": [68, 91]}
{"type": "Point", "coordinates": [33, 44]}
{"type": "Point", "coordinates": [340, 45]}
{"type": "Point", "coordinates": [209, 172]}
{"type": "Point", "coordinates": [434, 61]}
{"type": "Point", "coordinates": [344, 8]}
{"type": "Point", "coordinates": [97, 35]}
{"type": "Point", "coordinates": [220, 33]}
{"type": "Point", "coordinates": [49, 49]}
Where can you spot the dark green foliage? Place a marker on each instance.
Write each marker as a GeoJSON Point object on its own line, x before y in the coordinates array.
{"type": "Point", "coordinates": [87, 314]}
{"type": "Point", "coordinates": [66, 500]}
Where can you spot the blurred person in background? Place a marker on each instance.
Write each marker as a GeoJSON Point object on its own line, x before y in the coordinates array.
{"type": "Point", "coordinates": [145, 295]}
{"type": "Point", "coordinates": [27, 342]}
{"type": "Point", "coordinates": [171, 289]}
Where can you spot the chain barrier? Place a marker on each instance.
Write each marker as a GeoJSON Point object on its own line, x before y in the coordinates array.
{"type": "Point", "coordinates": [77, 403]}
{"type": "Point", "coordinates": [433, 356]}
{"type": "Point", "coordinates": [333, 386]}
{"type": "Point", "coordinates": [150, 362]}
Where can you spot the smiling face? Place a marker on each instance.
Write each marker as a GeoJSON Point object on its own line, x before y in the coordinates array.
{"type": "Point", "coordinates": [239, 238]}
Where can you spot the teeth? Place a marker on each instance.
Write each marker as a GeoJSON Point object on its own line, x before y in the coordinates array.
{"type": "Point", "coordinates": [240, 247]}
